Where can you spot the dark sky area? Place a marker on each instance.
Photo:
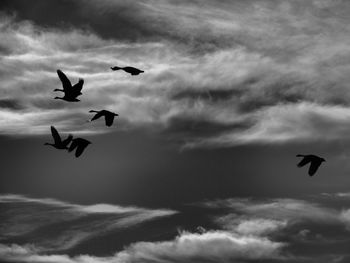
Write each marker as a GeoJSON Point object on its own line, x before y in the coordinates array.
{"type": "Point", "coordinates": [140, 168]}
{"type": "Point", "coordinates": [200, 165]}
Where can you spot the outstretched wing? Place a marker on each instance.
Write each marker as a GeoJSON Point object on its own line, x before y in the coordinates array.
{"type": "Point", "coordinates": [109, 120]}
{"type": "Point", "coordinates": [313, 167]}
{"type": "Point", "coordinates": [65, 81]}
{"type": "Point", "coordinates": [73, 146]}
{"type": "Point", "coordinates": [68, 140]}
{"type": "Point", "coordinates": [79, 86]}
{"type": "Point", "coordinates": [55, 135]}
{"type": "Point", "coordinates": [80, 150]}
{"type": "Point", "coordinates": [304, 161]}
{"type": "Point", "coordinates": [97, 115]}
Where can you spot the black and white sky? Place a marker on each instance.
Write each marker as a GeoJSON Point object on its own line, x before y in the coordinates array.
{"type": "Point", "coordinates": [200, 164]}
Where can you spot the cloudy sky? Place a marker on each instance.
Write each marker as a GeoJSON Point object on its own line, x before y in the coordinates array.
{"type": "Point", "coordinates": [200, 165]}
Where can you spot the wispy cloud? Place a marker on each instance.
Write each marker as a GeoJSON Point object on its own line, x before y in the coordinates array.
{"type": "Point", "coordinates": [16, 253]}
{"type": "Point", "coordinates": [81, 222]}
{"type": "Point", "coordinates": [242, 230]}
{"type": "Point", "coordinates": [288, 210]}
{"type": "Point", "coordinates": [345, 195]}
{"type": "Point", "coordinates": [301, 224]}
{"type": "Point", "coordinates": [277, 71]}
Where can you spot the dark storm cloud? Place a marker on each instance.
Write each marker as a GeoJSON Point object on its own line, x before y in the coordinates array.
{"type": "Point", "coordinates": [211, 95]}
{"type": "Point", "coordinates": [125, 21]}
{"type": "Point", "coordinates": [11, 104]}
{"type": "Point", "coordinates": [186, 129]}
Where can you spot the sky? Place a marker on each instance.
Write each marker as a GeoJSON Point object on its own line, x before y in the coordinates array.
{"type": "Point", "coordinates": [200, 165]}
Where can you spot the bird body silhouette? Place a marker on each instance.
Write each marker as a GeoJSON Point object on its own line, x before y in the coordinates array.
{"type": "Point", "coordinates": [131, 70]}
{"type": "Point", "coordinates": [68, 98]}
{"type": "Point", "coordinates": [79, 144]}
{"type": "Point", "coordinates": [315, 162]}
{"type": "Point", "coordinates": [70, 92]}
{"type": "Point", "coordinates": [58, 143]}
{"type": "Point", "coordinates": [109, 116]}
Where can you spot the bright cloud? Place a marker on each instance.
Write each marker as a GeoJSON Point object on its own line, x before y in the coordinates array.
{"type": "Point", "coordinates": [214, 246]}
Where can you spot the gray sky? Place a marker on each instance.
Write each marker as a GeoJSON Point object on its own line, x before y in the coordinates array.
{"type": "Point", "coordinates": [206, 137]}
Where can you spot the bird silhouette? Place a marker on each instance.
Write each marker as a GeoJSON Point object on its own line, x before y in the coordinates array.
{"type": "Point", "coordinates": [79, 144]}
{"type": "Point", "coordinates": [131, 70]}
{"type": "Point", "coordinates": [314, 161]}
{"type": "Point", "coordinates": [58, 143]}
{"type": "Point", "coordinates": [67, 97]}
{"type": "Point", "coordinates": [109, 116]}
{"type": "Point", "coordinates": [70, 92]}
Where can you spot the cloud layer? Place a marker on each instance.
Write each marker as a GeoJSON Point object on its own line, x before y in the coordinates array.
{"type": "Point", "coordinates": [37, 219]}
{"type": "Point", "coordinates": [238, 230]}
{"type": "Point", "coordinates": [217, 73]}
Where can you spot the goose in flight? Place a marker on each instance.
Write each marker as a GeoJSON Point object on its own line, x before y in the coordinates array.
{"type": "Point", "coordinates": [131, 70]}
{"type": "Point", "coordinates": [79, 144]}
{"type": "Point", "coordinates": [58, 143]}
{"type": "Point", "coordinates": [109, 116]}
{"type": "Point", "coordinates": [314, 161]}
{"type": "Point", "coordinates": [70, 91]}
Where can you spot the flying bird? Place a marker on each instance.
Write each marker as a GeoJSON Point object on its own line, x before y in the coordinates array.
{"type": "Point", "coordinates": [79, 144]}
{"type": "Point", "coordinates": [131, 70]}
{"type": "Point", "coordinates": [314, 161]}
{"type": "Point", "coordinates": [109, 116]}
{"type": "Point", "coordinates": [70, 92]}
{"type": "Point", "coordinates": [58, 143]}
